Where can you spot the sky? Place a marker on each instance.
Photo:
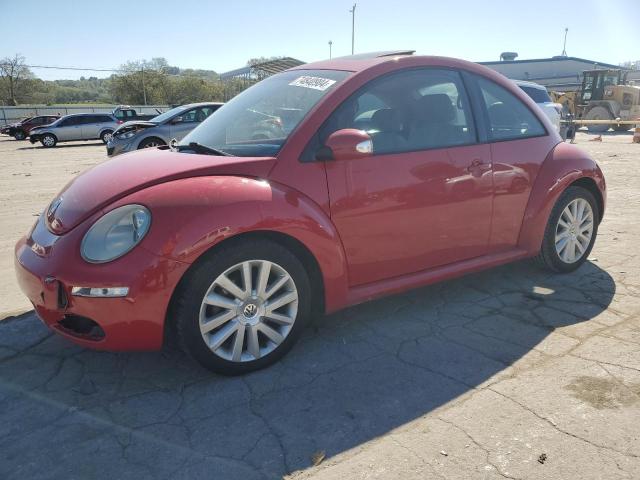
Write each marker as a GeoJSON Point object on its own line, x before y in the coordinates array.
{"type": "Point", "coordinates": [223, 35]}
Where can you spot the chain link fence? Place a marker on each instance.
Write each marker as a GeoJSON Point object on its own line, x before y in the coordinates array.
{"type": "Point", "coordinates": [15, 114]}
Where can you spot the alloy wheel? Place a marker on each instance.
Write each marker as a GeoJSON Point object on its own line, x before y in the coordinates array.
{"type": "Point", "coordinates": [574, 230]}
{"type": "Point", "coordinates": [248, 310]}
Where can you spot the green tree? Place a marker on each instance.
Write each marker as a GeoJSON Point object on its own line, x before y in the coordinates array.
{"type": "Point", "coordinates": [14, 77]}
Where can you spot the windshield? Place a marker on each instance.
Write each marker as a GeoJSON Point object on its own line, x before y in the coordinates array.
{"type": "Point", "coordinates": [163, 117]}
{"type": "Point", "coordinates": [258, 121]}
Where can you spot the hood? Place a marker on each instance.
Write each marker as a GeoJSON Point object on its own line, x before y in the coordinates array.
{"type": "Point", "coordinates": [125, 174]}
{"type": "Point", "coordinates": [134, 125]}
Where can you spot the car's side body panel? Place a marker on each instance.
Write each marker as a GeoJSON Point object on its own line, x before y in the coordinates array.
{"type": "Point", "coordinates": [403, 213]}
{"type": "Point", "coordinates": [564, 165]}
{"type": "Point", "coordinates": [516, 165]}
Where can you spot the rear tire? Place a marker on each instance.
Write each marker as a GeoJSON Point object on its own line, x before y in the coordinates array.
{"type": "Point", "coordinates": [571, 231]}
{"type": "Point", "coordinates": [106, 136]}
{"type": "Point", "coordinates": [598, 113]}
{"type": "Point", "coordinates": [240, 327]}
{"type": "Point", "coordinates": [48, 140]}
{"type": "Point", "coordinates": [150, 143]}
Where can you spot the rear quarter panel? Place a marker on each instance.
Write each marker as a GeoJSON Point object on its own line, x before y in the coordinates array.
{"type": "Point", "coordinates": [564, 165]}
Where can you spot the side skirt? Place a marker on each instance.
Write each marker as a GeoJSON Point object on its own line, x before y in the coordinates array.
{"type": "Point", "coordinates": [370, 291]}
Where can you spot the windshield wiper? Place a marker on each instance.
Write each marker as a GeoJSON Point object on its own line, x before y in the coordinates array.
{"type": "Point", "coordinates": [199, 148]}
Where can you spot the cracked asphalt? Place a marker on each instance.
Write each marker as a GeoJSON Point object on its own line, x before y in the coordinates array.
{"type": "Point", "coordinates": [510, 373]}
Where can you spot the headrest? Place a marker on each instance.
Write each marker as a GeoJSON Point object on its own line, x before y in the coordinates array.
{"type": "Point", "coordinates": [387, 120]}
{"type": "Point", "coordinates": [436, 108]}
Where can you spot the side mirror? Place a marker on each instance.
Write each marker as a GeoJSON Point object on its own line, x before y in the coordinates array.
{"type": "Point", "coordinates": [176, 120]}
{"type": "Point", "coordinates": [346, 144]}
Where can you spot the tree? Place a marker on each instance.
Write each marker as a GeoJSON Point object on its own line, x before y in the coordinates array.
{"type": "Point", "coordinates": [13, 75]}
{"type": "Point", "coordinates": [255, 61]}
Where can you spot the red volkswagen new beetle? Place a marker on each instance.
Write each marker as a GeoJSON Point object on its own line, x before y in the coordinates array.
{"type": "Point", "coordinates": [321, 187]}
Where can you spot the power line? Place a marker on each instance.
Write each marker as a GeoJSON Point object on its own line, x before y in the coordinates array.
{"type": "Point", "coordinates": [76, 68]}
{"type": "Point", "coordinates": [53, 67]}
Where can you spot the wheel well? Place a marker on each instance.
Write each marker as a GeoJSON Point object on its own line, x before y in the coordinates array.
{"type": "Point", "coordinates": [42, 135]}
{"type": "Point", "coordinates": [590, 185]}
{"type": "Point", "coordinates": [293, 245]}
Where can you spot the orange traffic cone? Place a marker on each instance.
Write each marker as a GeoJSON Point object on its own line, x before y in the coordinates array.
{"type": "Point", "coordinates": [636, 135]}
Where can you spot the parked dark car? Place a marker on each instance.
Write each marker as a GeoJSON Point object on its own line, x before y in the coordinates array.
{"type": "Point", "coordinates": [20, 130]}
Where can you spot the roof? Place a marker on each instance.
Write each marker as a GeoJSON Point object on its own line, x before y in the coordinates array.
{"type": "Point", "coordinates": [355, 63]}
{"type": "Point", "coordinates": [552, 59]}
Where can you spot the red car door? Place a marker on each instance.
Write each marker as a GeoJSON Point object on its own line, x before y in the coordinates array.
{"type": "Point", "coordinates": [424, 199]}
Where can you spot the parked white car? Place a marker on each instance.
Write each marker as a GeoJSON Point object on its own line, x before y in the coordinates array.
{"type": "Point", "coordinates": [539, 94]}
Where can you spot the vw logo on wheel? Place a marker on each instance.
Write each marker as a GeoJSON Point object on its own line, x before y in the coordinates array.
{"type": "Point", "coordinates": [250, 310]}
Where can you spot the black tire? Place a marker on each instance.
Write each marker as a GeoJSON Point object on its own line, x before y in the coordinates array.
{"type": "Point", "coordinates": [20, 135]}
{"type": "Point", "coordinates": [151, 142]}
{"type": "Point", "coordinates": [48, 140]}
{"type": "Point", "coordinates": [195, 284]}
{"type": "Point", "coordinates": [106, 136]}
{"type": "Point", "coordinates": [548, 256]}
{"type": "Point", "coordinates": [599, 113]}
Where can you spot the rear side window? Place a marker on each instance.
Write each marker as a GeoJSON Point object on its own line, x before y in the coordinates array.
{"type": "Point", "coordinates": [508, 117]}
{"type": "Point", "coordinates": [77, 120]}
{"type": "Point", "coordinates": [101, 119]}
{"type": "Point", "coordinates": [538, 95]}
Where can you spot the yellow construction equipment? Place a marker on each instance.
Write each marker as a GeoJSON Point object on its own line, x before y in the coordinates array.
{"type": "Point", "coordinates": [606, 95]}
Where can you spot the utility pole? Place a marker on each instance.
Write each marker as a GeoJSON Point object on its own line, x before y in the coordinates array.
{"type": "Point", "coordinates": [353, 26]}
{"type": "Point", "coordinates": [330, 43]}
{"type": "Point", "coordinates": [144, 90]}
{"type": "Point", "coordinates": [564, 46]}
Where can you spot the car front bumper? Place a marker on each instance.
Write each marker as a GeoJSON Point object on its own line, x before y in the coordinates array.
{"type": "Point", "coordinates": [117, 146]}
{"type": "Point", "coordinates": [49, 266]}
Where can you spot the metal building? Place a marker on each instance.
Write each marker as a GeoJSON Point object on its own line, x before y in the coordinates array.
{"type": "Point", "coordinates": [556, 73]}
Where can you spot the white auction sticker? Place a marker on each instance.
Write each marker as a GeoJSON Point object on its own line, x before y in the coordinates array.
{"type": "Point", "coordinates": [317, 83]}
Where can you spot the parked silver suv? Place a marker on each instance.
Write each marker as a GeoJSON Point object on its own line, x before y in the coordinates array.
{"type": "Point", "coordinates": [79, 126]}
{"type": "Point", "coordinates": [160, 130]}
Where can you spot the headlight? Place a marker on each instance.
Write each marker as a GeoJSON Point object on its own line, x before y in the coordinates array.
{"type": "Point", "coordinates": [126, 135]}
{"type": "Point", "coordinates": [115, 233]}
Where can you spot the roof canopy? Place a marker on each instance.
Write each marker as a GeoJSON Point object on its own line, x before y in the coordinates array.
{"type": "Point", "coordinates": [262, 70]}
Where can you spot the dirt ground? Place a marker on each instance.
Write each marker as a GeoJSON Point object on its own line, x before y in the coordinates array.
{"type": "Point", "coordinates": [30, 176]}
{"type": "Point", "coordinates": [510, 373]}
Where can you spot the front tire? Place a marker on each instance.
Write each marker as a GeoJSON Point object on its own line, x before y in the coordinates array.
{"type": "Point", "coordinates": [571, 231]}
{"type": "Point", "coordinates": [106, 136]}
{"type": "Point", "coordinates": [20, 135]}
{"type": "Point", "coordinates": [242, 307]}
{"type": "Point", "coordinates": [599, 113]}
{"type": "Point", "coordinates": [150, 143]}
{"type": "Point", "coordinates": [48, 140]}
